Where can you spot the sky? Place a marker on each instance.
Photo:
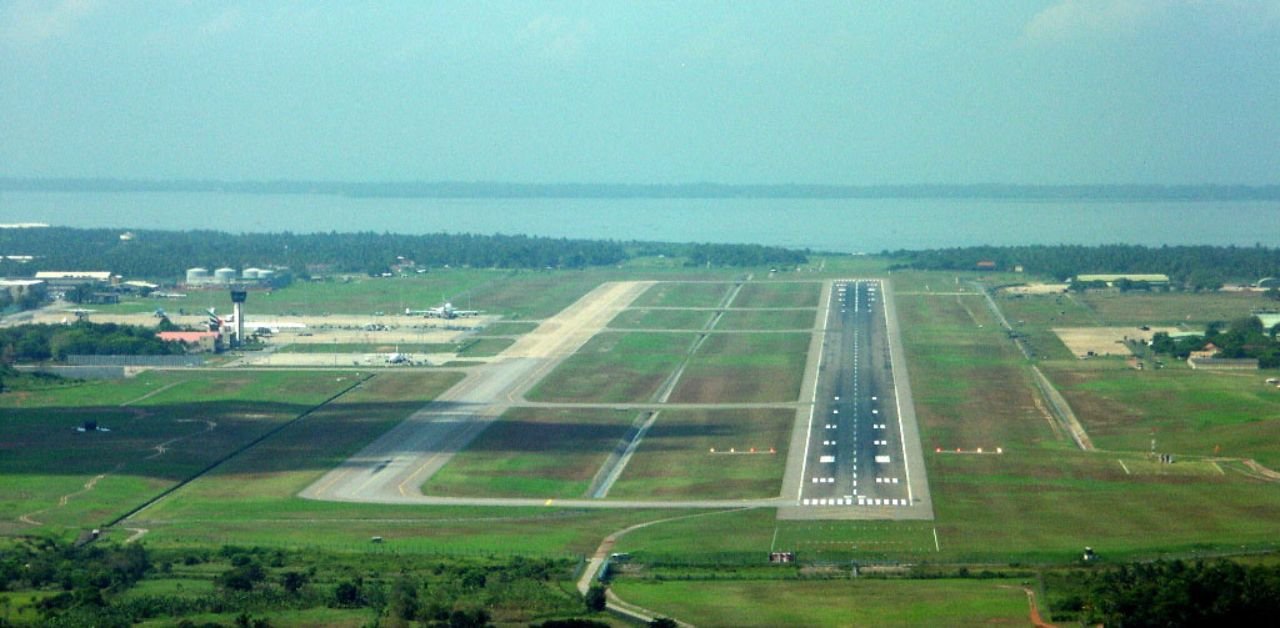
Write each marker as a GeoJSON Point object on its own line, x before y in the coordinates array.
{"type": "Point", "coordinates": [736, 92]}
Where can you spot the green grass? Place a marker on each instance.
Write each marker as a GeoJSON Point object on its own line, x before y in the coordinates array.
{"type": "Point", "coordinates": [502, 328]}
{"type": "Point", "coordinates": [766, 320]}
{"type": "Point", "coordinates": [778, 294]}
{"type": "Point", "coordinates": [674, 460]}
{"type": "Point", "coordinates": [251, 499]}
{"type": "Point", "coordinates": [1190, 413]}
{"type": "Point", "coordinates": [1042, 498]}
{"type": "Point", "coordinates": [745, 367]}
{"type": "Point", "coordinates": [684, 294]}
{"type": "Point", "coordinates": [860, 602]}
{"type": "Point", "coordinates": [643, 318]}
{"type": "Point", "coordinates": [362, 295]}
{"type": "Point", "coordinates": [293, 458]}
{"type": "Point", "coordinates": [1035, 316]}
{"type": "Point", "coordinates": [534, 452]}
{"type": "Point", "coordinates": [483, 347]}
{"type": "Point", "coordinates": [969, 384]}
{"type": "Point", "coordinates": [615, 367]}
{"type": "Point", "coordinates": [838, 267]}
{"type": "Point", "coordinates": [47, 464]}
{"type": "Point", "coordinates": [20, 606]}
{"type": "Point", "coordinates": [1041, 501]}
{"type": "Point", "coordinates": [335, 617]}
{"type": "Point", "coordinates": [533, 295]}
{"type": "Point", "coordinates": [1172, 308]}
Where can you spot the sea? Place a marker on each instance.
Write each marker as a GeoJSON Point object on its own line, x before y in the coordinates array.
{"type": "Point", "coordinates": [834, 225]}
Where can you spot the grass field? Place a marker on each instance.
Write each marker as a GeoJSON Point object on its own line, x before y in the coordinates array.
{"type": "Point", "coordinates": [745, 367]}
{"type": "Point", "coordinates": [534, 452]}
{"type": "Point", "coordinates": [1042, 499]}
{"type": "Point", "coordinates": [1043, 494]}
{"type": "Point", "coordinates": [615, 367]}
{"type": "Point", "coordinates": [1172, 308]}
{"type": "Point", "coordinates": [684, 294]}
{"type": "Point", "coordinates": [502, 328]}
{"type": "Point", "coordinates": [643, 318]}
{"type": "Point", "coordinates": [972, 389]}
{"type": "Point", "coordinates": [860, 602]}
{"type": "Point", "coordinates": [674, 460]}
{"type": "Point", "coordinates": [778, 294]}
{"type": "Point", "coordinates": [1035, 316]}
{"type": "Point", "coordinates": [767, 320]}
{"type": "Point", "coordinates": [173, 425]}
{"type": "Point", "coordinates": [297, 456]}
{"type": "Point", "coordinates": [1190, 413]}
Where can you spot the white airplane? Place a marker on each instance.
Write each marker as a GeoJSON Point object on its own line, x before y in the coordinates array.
{"type": "Point", "coordinates": [445, 311]}
{"type": "Point", "coordinates": [216, 322]}
{"type": "Point", "coordinates": [398, 358]}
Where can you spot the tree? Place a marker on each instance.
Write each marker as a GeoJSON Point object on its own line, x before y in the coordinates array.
{"type": "Point", "coordinates": [346, 594]}
{"type": "Point", "coordinates": [596, 598]}
{"type": "Point", "coordinates": [404, 599]}
{"type": "Point", "coordinates": [293, 581]}
{"type": "Point", "coordinates": [243, 577]}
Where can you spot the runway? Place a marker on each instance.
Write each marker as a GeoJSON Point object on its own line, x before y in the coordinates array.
{"type": "Point", "coordinates": [861, 451]}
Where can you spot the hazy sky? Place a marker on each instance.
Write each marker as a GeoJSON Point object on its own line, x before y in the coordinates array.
{"type": "Point", "coordinates": [948, 91]}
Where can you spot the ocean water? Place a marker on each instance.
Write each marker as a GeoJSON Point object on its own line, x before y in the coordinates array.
{"type": "Point", "coordinates": [843, 225]}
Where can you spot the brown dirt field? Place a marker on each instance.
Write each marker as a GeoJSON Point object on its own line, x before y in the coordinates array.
{"type": "Point", "coordinates": [1104, 340]}
{"type": "Point", "coordinates": [1036, 288]}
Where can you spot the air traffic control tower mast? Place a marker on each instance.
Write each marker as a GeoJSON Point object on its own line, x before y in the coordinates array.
{"type": "Point", "coordinates": [238, 297]}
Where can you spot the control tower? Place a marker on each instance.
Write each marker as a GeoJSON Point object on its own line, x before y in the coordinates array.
{"type": "Point", "coordinates": [238, 297]}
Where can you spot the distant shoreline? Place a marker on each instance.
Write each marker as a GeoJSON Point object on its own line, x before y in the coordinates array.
{"type": "Point", "coordinates": [498, 190]}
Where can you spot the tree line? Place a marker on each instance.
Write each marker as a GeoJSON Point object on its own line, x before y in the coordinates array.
{"type": "Point", "coordinates": [90, 585]}
{"type": "Point", "coordinates": [38, 343]}
{"type": "Point", "coordinates": [165, 255]}
{"type": "Point", "coordinates": [1241, 338]}
{"type": "Point", "coordinates": [1190, 267]}
{"type": "Point", "coordinates": [1177, 593]}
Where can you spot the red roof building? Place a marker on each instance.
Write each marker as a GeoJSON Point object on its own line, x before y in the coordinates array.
{"type": "Point", "coordinates": [203, 340]}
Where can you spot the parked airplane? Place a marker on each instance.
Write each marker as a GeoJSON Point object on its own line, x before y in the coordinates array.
{"type": "Point", "coordinates": [216, 322]}
{"type": "Point", "coordinates": [445, 311]}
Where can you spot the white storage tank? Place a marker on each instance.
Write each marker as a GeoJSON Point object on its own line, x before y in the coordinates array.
{"type": "Point", "coordinates": [265, 274]}
{"type": "Point", "coordinates": [224, 275]}
{"type": "Point", "coordinates": [249, 273]}
{"type": "Point", "coordinates": [197, 275]}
